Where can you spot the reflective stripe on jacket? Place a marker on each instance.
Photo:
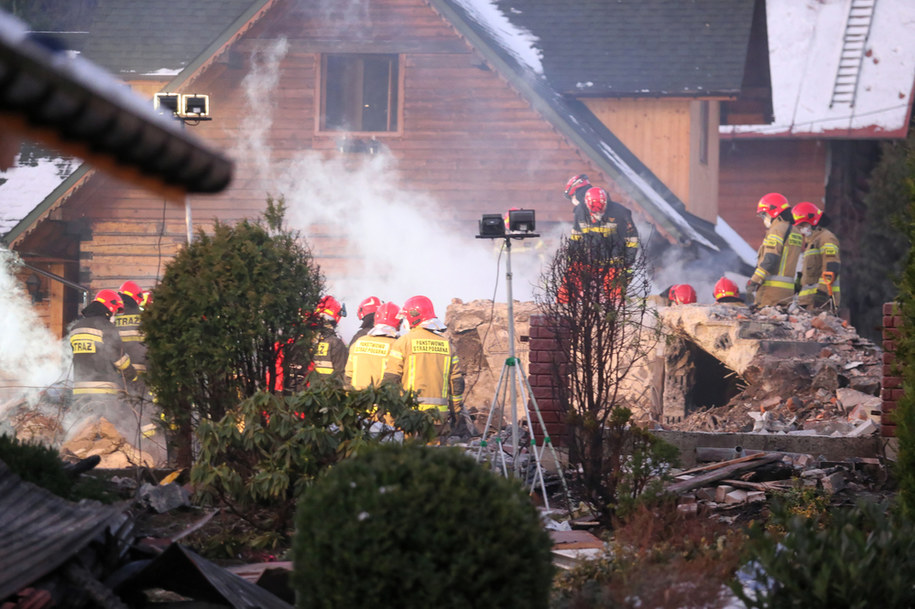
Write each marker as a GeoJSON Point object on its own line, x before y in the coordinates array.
{"type": "Point", "coordinates": [776, 264]}
{"type": "Point", "coordinates": [425, 362]}
{"type": "Point", "coordinates": [821, 255]}
{"type": "Point", "coordinates": [367, 358]}
{"type": "Point", "coordinates": [330, 353]}
{"type": "Point", "coordinates": [98, 356]}
{"type": "Point", "coordinates": [128, 325]}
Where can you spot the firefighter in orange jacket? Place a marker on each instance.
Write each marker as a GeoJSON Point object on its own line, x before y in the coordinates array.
{"type": "Point", "coordinates": [820, 273]}
{"type": "Point", "coordinates": [330, 351]}
{"type": "Point", "coordinates": [424, 361]}
{"type": "Point", "coordinates": [772, 283]}
{"type": "Point", "coordinates": [368, 355]}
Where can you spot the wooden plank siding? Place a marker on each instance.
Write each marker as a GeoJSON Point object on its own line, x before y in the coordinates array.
{"type": "Point", "coordinates": [469, 143]}
{"type": "Point", "coordinates": [751, 168]}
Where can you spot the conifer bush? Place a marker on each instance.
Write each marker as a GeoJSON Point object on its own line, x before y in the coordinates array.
{"type": "Point", "coordinates": [416, 527]}
{"type": "Point", "coordinates": [226, 304]}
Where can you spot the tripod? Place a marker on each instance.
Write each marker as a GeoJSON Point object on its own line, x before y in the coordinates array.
{"type": "Point", "coordinates": [512, 381]}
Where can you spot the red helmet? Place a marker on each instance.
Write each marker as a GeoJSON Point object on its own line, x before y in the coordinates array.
{"type": "Point", "coordinates": [417, 309]}
{"type": "Point", "coordinates": [725, 287]}
{"type": "Point", "coordinates": [368, 306]}
{"type": "Point", "coordinates": [596, 200]}
{"type": "Point", "coordinates": [772, 204]}
{"type": "Point", "coordinates": [807, 212]}
{"type": "Point", "coordinates": [330, 308]}
{"type": "Point", "coordinates": [682, 294]}
{"type": "Point", "coordinates": [111, 300]}
{"type": "Point", "coordinates": [130, 288]}
{"type": "Point", "coordinates": [574, 183]}
{"type": "Point", "coordinates": [388, 314]}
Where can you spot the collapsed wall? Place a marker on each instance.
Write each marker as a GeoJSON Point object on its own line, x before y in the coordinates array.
{"type": "Point", "coordinates": [792, 372]}
{"type": "Point", "coordinates": [715, 368]}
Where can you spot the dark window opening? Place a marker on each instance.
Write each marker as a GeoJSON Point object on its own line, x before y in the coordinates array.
{"type": "Point", "coordinates": [359, 93]}
{"type": "Point", "coordinates": [716, 384]}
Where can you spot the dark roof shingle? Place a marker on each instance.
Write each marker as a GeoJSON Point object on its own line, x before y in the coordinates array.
{"type": "Point", "coordinates": [639, 47]}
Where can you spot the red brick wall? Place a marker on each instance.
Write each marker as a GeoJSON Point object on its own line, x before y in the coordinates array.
{"type": "Point", "coordinates": [546, 359]}
{"type": "Point", "coordinates": [892, 382]}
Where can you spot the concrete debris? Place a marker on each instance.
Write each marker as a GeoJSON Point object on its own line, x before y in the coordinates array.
{"type": "Point", "coordinates": [798, 372]}
{"type": "Point", "coordinates": [163, 498]}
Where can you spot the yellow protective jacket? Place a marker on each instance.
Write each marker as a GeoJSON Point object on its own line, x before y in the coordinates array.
{"type": "Point", "coordinates": [100, 364]}
{"type": "Point", "coordinates": [776, 264]}
{"type": "Point", "coordinates": [425, 362]}
{"type": "Point", "coordinates": [821, 254]}
{"type": "Point", "coordinates": [367, 358]}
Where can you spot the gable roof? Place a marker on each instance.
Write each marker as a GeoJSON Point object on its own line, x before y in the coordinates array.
{"type": "Point", "coordinates": [152, 39]}
{"type": "Point", "coordinates": [807, 52]}
{"type": "Point", "coordinates": [507, 47]}
{"type": "Point", "coordinates": [638, 47]}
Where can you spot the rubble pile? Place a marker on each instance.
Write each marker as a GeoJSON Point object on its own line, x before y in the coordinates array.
{"type": "Point", "coordinates": [800, 372]}
{"type": "Point", "coordinates": [479, 331]}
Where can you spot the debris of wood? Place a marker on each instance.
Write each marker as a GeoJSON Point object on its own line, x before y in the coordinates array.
{"type": "Point", "coordinates": [725, 470]}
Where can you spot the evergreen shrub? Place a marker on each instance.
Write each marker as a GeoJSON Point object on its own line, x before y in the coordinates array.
{"type": "Point", "coordinates": [41, 465]}
{"type": "Point", "coordinates": [418, 527]}
{"type": "Point", "coordinates": [853, 558]}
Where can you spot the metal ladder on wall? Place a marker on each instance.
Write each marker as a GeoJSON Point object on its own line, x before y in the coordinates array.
{"type": "Point", "coordinates": [854, 44]}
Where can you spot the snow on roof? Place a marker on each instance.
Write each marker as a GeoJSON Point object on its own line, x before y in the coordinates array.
{"type": "Point", "coordinates": [805, 44]}
{"type": "Point", "coordinates": [516, 40]}
{"type": "Point", "coordinates": [26, 184]}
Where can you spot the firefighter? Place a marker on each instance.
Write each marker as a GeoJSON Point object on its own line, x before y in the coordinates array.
{"type": "Point", "coordinates": [424, 361]}
{"type": "Point", "coordinates": [330, 351]}
{"type": "Point", "coordinates": [604, 217]}
{"type": "Point", "coordinates": [366, 314]}
{"type": "Point", "coordinates": [369, 353]}
{"type": "Point", "coordinates": [727, 292]}
{"type": "Point", "coordinates": [101, 366]}
{"type": "Point", "coordinates": [680, 294]}
{"type": "Point", "coordinates": [772, 283]}
{"type": "Point", "coordinates": [128, 324]}
{"type": "Point", "coordinates": [576, 188]}
{"type": "Point", "coordinates": [820, 270]}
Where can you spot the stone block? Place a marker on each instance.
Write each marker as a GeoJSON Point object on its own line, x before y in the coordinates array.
{"type": "Point", "coordinates": [736, 496]}
{"type": "Point", "coordinates": [754, 496]}
{"type": "Point", "coordinates": [834, 482]}
{"type": "Point", "coordinates": [722, 491]}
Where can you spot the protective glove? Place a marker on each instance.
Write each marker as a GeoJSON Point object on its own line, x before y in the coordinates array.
{"type": "Point", "coordinates": [751, 291]}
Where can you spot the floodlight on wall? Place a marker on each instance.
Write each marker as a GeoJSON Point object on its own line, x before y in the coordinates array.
{"type": "Point", "coordinates": [195, 106]}
{"type": "Point", "coordinates": [166, 103]}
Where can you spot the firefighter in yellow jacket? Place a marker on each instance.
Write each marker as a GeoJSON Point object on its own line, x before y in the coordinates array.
{"type": "Point", "coordinates": [772, 283]}
{"type": "Point", "coordinates": [424, 360]}
{"type": "Point", "coordinates": [820, 272]}
{"type": "Point", "coordinates": [368, 354]}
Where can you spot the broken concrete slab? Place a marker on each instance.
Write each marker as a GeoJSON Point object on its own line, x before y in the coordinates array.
{"type": "Point", "coordinates": [830, 448]}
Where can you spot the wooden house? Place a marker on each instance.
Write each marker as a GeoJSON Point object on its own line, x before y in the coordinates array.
{"type": "Point", "coordinates": [462, 107]}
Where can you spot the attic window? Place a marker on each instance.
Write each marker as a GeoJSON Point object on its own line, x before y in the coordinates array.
{"type": "Point", "coordinates": [359, 93]}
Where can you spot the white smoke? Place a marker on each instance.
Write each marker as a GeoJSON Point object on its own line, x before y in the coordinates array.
{"type": "Point", "coordinates": [352, 208]}
{"type": "Point", "coordinates": [31, 357]}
